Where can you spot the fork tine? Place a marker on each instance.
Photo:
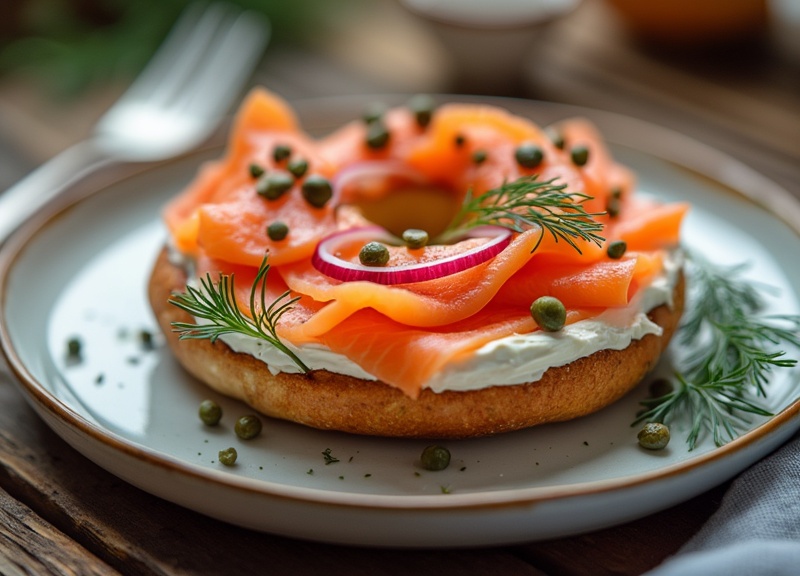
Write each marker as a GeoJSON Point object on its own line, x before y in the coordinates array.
{"type": "Point", "coordinates": [242, 43]}
{"type": "Point", "coordinates": [172, 46]}
{"type": "Point", "coordinates": [183, 51]}
{"type": "Point", "coordinates": [189, 55]}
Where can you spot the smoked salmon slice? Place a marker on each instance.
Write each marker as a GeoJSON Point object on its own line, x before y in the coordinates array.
{"type": "Point", "coordinates": [404, 334]}
{"type": "Point", "coordinates": [407, 357]}
{"type": "Point", "coordinates": [221, 211]}
{"type": "Point", "coordinates": [649, 225]}
{"type": "Point", "coordinates": [429, 303]}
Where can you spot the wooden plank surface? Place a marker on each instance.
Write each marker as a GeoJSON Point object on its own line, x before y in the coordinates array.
{"type": "Point", "coordinates": [30, 545]}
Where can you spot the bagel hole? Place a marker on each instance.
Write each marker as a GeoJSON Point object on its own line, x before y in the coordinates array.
{"type": "Point", "coordinates": [426, 208]}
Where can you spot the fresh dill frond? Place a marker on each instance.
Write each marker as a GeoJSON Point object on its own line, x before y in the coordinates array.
{"type": "Point", "coordinates": [526, 203]}
{"type": "Point", "coordinates": [734, 350]}
{"type": "Point", "coordinates": [216, 303]}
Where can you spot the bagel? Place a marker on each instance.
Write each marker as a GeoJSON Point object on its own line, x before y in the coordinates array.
{"type": "Point", "coordinates": [331, 401]}
{"type": "Point", "coordinates": [410, 344]}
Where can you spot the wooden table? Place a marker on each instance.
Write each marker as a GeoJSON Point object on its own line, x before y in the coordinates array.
{"type": "Point", "coordinates": [61, 514]}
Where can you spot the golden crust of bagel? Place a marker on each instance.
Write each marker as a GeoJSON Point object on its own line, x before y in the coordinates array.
{"type": "Point", "coordinates": [333, 401]}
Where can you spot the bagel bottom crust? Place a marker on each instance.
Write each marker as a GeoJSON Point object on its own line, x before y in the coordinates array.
{"type": "Point", "coordinates": [331, 401]}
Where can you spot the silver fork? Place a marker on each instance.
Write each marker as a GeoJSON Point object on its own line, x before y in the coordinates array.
{"type": "Point", "coordinates": [173, 106]}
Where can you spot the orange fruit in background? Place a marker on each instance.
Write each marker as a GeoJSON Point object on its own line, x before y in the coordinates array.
{"type": "Point", "coordinates": [692, 21]}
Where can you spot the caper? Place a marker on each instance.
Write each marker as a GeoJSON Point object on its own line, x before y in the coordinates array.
{"type": "Point", "coordinates": [377, 134]}
{"type": "Point", "coordinates": [74, 347]}
{"type": "Point", "coordinates": [479, 156]}
{"type": "Point", "coordinates": [422, 105]}
{"type": "Point", "coordinates": [616, 249]}
{"type": "Point", "coordinates": [459, 140]}
{"type": "Point", "coordinates": [248, 427]}
{"type": "Point", "coordinates": [616, 192]}
{"type": "Point", "coordinates": [613, 207]}
{"type": "Point", "coordinates": [556, 137]}
{"type": "Point", "coordinates": [298, 167]}
{"type": "Point", "coordinates": [549, 313]}
{"type": "Point", "coordinates": [228, 456]}
{"type": "Point", "coordinates": [317, 190]}
{"type": "Point", "coordinates": [435, 458]}
{"type": "Point", "coordinates": [274, 185]}
{"type": "Point", "coordinates": [415, 238]}
{"type": "Point", "coordinates": [374, 112]}
{"type": "Point", "coordinates": [210, 412]}
{"type": "Point", "coordinates": [374, 254]}
{"type": "Point", "coordinates": [281, 152]}
{"type": "Point", "coordinates": [277, 230]}
{"type": "Point", "coordinates": [256, 170]}
{"type": "Point", "coordinates": [579, 155]}
{"type": "Point", "coordinates": [146, 340]}
{"type": "Point", "coordinates": [529, 155]}
{"type": "Point", "coordinates": [653, 436]}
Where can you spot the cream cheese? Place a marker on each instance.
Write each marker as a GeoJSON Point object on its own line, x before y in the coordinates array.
{"type": "Point", "coordinates": [511, 360]}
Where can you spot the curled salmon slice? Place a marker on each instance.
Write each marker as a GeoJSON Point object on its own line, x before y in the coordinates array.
{"type": "Point", "coordinates": [430, 303]}
{"type": "Point", "coordinates": [407, 357]}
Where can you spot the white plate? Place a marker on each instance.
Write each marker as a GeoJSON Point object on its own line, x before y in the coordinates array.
{"type": "Point", "coordinates": [81, 271]}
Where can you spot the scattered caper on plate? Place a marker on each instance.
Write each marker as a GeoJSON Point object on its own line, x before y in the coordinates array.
{"type": "Point", "coordinates": [654, 436]}
{"type": "Point", "coordinates": [210, 412]}
{"type": "Point", "coordinates": [248, 427]}
{"type": "Point", "coordinates": [435, 458]}
{"type": "Point", "coordinates": [228, 456]}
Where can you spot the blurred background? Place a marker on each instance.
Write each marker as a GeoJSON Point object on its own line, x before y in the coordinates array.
{"type": "Point", "coordinates": [724, 71]}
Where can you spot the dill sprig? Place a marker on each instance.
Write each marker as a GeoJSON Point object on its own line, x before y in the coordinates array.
{"type": "Point", "coordinates": [734, 350]}
{"type": "Point", "coordinates": [526, 203]}
{"type": "Point", "coordinates": [216, 302]}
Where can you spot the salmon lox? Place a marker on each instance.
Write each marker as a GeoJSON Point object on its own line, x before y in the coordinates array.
{"type": "Point", "coordinates": [403, 334]}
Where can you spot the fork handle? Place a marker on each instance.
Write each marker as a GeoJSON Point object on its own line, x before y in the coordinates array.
{"type": "Point", "coordinates": [24, 198]}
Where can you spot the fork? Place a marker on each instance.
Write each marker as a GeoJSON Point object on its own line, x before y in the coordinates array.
{"type": "Point", "coordinates": [173, 105]}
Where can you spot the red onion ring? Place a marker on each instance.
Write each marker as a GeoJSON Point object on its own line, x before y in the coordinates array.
{"type": "Point", "coordinates": [326, 262]}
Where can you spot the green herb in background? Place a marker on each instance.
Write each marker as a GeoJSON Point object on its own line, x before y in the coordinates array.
{"type": "Point", "coordinates": [72, 45]}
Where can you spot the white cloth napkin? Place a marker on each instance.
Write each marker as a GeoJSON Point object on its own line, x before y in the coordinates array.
{"type": "Point", "coordinates": [756, 530]}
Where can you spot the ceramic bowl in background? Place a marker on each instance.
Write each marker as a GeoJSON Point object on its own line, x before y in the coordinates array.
{"type": "Point", "coordinates": [488, 41]}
